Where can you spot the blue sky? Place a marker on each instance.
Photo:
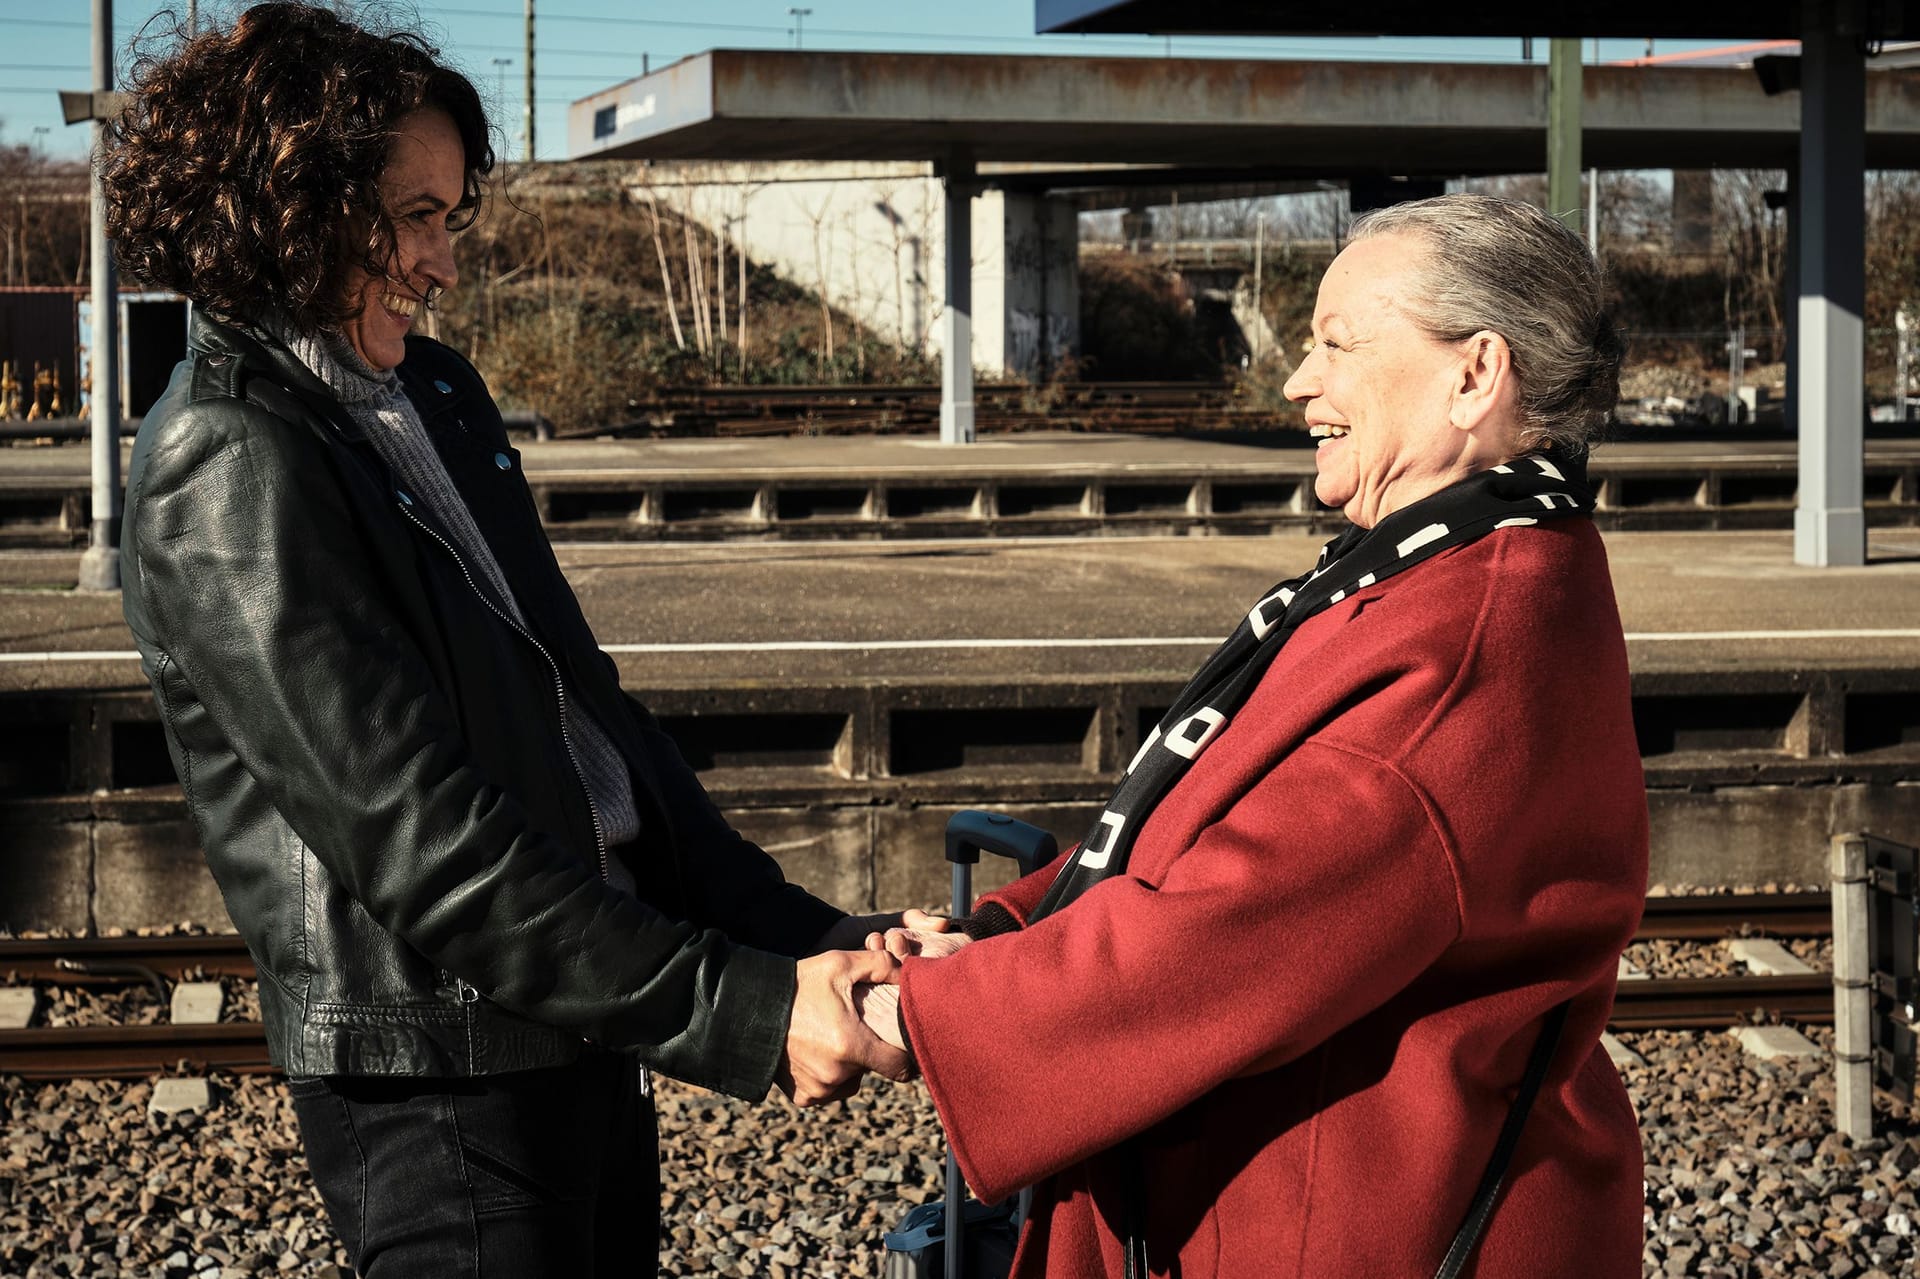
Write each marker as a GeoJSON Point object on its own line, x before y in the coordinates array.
{"type": "Point", "coordinates": [585, 45]}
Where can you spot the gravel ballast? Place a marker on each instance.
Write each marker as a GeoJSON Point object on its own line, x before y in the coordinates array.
{"type": "Point", "coordinates": [1744, 1177]}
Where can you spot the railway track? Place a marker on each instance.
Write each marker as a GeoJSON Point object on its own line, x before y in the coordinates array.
{"type": "Point", "coordinates": [1692, 1003]}
{"type": "Point", "coordinates": [1141, 407]}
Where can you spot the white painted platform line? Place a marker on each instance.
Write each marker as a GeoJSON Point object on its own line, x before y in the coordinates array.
{"type": "Point", "coordinates": [1052, 642]}
{"type": "Point", "coordinates": [1627, 972]}
{"type": "Point", "coordinates": [196, 1003]}
{"type": "Point", "coordinates": [1767, 957]}
{"type": "Point", "coordinates": [1618, 1053]}
{"type": "Point", "coordinates": [17, 1006]}
{"type": "Point", "coordinates": [1771, 1042]}
{"type": "Point", "coordinates": [895, 646]}
{"type": "Point", "coordinates": [171, 1096]}
{"type": "Point", "coordinates": [1656, 636]}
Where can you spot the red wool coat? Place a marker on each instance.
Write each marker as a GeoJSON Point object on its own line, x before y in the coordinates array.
{"type": "Point", "coordinates": [1312, 995]}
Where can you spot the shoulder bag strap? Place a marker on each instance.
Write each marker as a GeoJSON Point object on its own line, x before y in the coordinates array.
{"type": "Point", "coordinates": [1482, 1207]}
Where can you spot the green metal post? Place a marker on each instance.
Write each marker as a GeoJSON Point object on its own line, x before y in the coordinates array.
{"type": "Point", "coordinates": [1563, 131]}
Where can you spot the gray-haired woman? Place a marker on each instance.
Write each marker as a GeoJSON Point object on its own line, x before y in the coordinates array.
{"type": "Point", "coordinates": [1373, 868]}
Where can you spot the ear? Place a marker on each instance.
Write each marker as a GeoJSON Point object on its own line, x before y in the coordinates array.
{"type": "Point", "coordinates": [1485, 387]}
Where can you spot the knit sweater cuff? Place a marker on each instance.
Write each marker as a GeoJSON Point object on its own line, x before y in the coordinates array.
{"type": "Point", "coordinates": [990, 920]}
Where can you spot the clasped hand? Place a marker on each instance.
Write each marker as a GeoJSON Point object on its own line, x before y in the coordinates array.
{"type": "Point", "coordinates": [846, 1004]}
{"type": "Point", "coordinates": [879, 1006]}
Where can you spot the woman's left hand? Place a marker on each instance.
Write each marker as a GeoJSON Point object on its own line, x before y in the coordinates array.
{"type": "Point", "coordinates": [907, 941]}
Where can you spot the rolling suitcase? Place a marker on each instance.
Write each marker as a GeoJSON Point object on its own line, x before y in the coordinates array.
{"type": "Point", "coordinates": [962, 1238]}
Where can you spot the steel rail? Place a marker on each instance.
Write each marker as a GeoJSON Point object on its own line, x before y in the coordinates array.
{"type": "Point", "coordinates": [1719, 1003]}
{"type": "Point", "coordinates": [54, 959]}
{"type": "Point", "coordinates": [133, 1052]}
{"type": "Point", "coordinates": [1703, 918]}
{"type": "Point", "coordinates": [136, 1052]}
{"type": "Point", "coordinates": [1727, 915]}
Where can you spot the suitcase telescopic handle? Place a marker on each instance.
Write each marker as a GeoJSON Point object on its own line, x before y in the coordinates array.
{"type": "Point", "coordinates": [971, 832]}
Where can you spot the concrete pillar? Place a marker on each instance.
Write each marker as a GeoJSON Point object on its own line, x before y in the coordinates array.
{"type": "Point", "coordinates": [1038, 282]}
{"type": "Point", "coordinates": [1563, 131]}
{"type": "Point", "coordinates": [1830, 527]}
{"type": "Point", "coordinates": [1693, 211]}
{"type": "Point", "coordinates": [1852, 989]}
{"type": "Point", "coordinates": [100, 565]}
{"type": "Point", "coordinates": [956, 328]}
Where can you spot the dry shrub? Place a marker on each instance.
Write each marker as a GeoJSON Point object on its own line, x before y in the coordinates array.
{"type": "Point", "coordinates": [1136, 323]}
{"type": "Point", "coordinates": [573, 365]}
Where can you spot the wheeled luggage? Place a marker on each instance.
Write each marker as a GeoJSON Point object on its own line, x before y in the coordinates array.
{"type": "Point", "coordinates": [962, 1237]}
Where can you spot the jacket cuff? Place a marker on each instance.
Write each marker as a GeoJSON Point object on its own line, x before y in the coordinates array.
{"type": "Point", "coordinates": [788, 924]}
{"type": "Point", "coordinates": [752, 1009]}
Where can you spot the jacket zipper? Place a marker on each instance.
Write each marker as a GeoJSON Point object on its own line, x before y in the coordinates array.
{"type": "Point", "coordinates": [559, 686]}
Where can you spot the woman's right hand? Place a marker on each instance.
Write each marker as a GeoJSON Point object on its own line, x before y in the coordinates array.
{"type": "Point", "coordinates": [879, 1008]}
{"type": "Point", "coordinates": [828, 1049]}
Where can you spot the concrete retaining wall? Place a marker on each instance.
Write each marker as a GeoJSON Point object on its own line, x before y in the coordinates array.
{"type": "Point", "coordinates": [1725, 491]}
{"type": "Point", "coordinates": [850, 785]}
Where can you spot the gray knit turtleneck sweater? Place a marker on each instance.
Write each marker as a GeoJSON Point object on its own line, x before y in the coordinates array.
{"type": "Point", "coordinates": [380, 408]}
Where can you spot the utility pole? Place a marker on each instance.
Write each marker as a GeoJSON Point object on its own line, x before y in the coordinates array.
{"type": "Point", "coordinates": [1563, 130]}
{"type": "Point", "coordinates": [799, 21]}
{"type": "Point", "coordinates": [193, 18]}
{"type": "Point", "coordinates": [100, 565]}
{"type": "Point", "coordinates": [1593, 187]}
{"type": "Point", "coordinates": [529, 108]}
{"type": "Point", "coordinates": [500, 66]}
{"type": "Point", "coordinates": [1259, 250]}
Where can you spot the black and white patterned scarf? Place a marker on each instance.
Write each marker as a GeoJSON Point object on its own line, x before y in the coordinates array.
{"type": "Point", "coordinates": [1524, 491]}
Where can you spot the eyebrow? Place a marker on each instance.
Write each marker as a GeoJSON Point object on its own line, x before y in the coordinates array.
{"type": "Point", "coordinates": [416, 197]}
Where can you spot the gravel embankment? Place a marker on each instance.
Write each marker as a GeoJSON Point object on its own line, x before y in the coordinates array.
{"type": "Point", "coordinates": [1745, 1178]}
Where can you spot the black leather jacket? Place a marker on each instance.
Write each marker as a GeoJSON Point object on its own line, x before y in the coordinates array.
{"type": "Point", "coordinates": [375, 762]}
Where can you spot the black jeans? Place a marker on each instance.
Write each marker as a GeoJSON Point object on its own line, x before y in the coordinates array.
{"type": "Point", "coordinates": [540, 1173]}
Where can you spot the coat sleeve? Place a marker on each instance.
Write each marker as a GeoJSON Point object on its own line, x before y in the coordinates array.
{"type": "Point", "coordinates": [1316, 897]}
{"type": "Point", "coordinates": [254, 576]}
{"type": "Point", "coordinates": [733, 884]}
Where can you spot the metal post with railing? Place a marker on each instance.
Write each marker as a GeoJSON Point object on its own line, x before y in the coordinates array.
{"type": "Point", "coordinates": [1876, 941]}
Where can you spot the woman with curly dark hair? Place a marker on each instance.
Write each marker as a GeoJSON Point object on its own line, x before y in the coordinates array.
{"type": "Point", "coordinates": [483, 891]}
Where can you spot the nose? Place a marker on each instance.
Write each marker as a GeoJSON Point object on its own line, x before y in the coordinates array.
{"type": "Point", "coordinates": [1305, 382]}
{"type": "Point", "coordinates": [435, 263]}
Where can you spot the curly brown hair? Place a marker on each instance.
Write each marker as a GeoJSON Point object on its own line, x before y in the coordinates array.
{"type": "Point", "coordinates": [245, 171]}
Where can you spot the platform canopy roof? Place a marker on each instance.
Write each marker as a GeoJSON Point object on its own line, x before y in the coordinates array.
{"type": "Point", "coordinates": [1632, 19]}
{"type": "Point", "coordinates": [1310, 119]}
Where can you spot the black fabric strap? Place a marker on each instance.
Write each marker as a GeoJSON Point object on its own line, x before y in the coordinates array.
{"type": "Point", "coordinates": [1465, 1238]}
{"type": "Point", "coordinates": [1524, 491]}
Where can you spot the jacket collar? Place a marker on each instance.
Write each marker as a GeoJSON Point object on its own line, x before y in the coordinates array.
{"type": "Point", "coordinates": [257, 352]}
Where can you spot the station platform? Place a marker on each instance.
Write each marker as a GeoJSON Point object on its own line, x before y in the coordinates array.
{"type": "Point", "coordinates": [1020, 484]}
{"type": "Point", "coordinates": [842, 698]}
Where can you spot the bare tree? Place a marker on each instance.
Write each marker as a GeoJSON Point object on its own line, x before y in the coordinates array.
{"type": "Point", "coordinates": [816, 219]}
{"type": "Point", "coordinates": [1752, 241]}
{"type": "Point", "coordinates": [44, 226]}
{"type": "Point", "coordinates": [666, 272]}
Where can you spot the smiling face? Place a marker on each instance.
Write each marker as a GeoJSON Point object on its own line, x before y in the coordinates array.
{"type": "Point", "coordinates": [420, 186]}
{"type": "Point", "coordinates": [1399, 414]}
